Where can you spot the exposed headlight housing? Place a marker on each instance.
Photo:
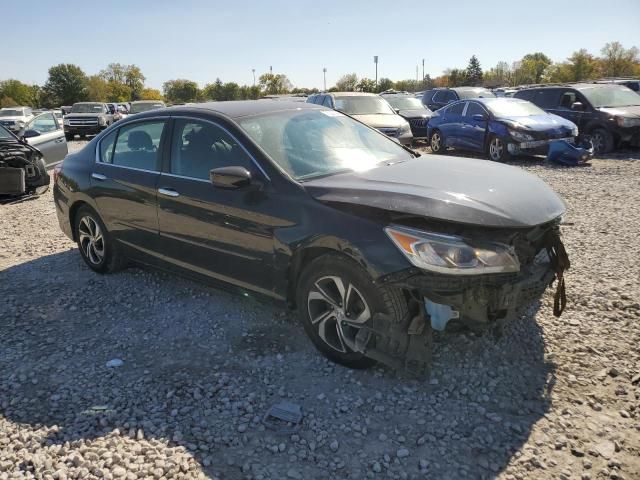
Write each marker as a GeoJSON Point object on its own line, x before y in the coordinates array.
{"type": "Point", "coordinates": [574, 132]}
{"type": "Point", "coordinates": [65, 121]}
{"type": "Point", "coordinates": [102, 121]}
{"type": "Point", "coordinates": [19, 123]}
{"type": "Point", "coordinates": [404, 129]}
{"type": "Point", "coordinates": [450, 254]}
{"type": "Point", "coordinates": [520, 136]}
{"type": "Point", "coordinates": [627, 122]}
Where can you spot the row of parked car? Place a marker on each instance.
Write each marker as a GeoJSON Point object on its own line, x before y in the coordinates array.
{"type": "Point", "coordinates": [500, 125]}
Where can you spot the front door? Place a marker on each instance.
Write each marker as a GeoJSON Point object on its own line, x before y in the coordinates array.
{"type": "Point", "coordinates": [124, 183]}
{"type": "Point", "coordinates": [563, 108]}
{"type": "Point", "coordinates": [451, 127]}
{"type": "Point", "coordinates": [48, 138]}
{"type": "Point", "coordinates": [225, 234]}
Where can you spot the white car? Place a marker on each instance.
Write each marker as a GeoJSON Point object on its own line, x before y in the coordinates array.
{"type": "Point", "coordinates": [15, 118]}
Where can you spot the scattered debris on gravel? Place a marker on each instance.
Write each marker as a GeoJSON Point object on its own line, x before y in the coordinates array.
{"type": "Point", "coordinates": [198, 369]}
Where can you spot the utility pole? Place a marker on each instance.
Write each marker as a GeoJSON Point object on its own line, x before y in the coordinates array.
{"type": "Point", "coordinates": [416, 76]}
{"type": "Point", "coordinates": [324, 74]}
{"type": "Point", "coordinates": [253, 70]}
{"type": "Point", "coordinates": [375, 60]}
{"type": "Point", "coordinates": [423, 73]}
{"type": "Point", "coordinates": [270, 69]}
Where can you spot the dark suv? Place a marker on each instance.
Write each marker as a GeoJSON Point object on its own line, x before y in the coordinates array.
{"type": "Point", "coordinates": [439, 97]}
{"type": "Point", "coordinates": [608, 112]}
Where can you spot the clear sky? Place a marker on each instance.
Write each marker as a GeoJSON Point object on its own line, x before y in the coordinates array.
{"type": "Point", "coordinates": [202, 40]}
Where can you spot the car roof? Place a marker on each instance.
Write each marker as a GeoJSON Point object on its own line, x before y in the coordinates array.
{"type": "Point", "coordinates": [354, 94]}
{"type": "Point", "coordinates": [245, 108]}
{"type": "Point", "coordinates": [146, 101]}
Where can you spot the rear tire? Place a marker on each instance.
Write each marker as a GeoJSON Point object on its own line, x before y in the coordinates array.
{"type": "Point", "coordinates": [602, 140]}
{"type": "Point", "coordinates": [333, 289]}
{"type": "Point", "coordinates": [436, 142]}
{"type": "Point", "coordinates": [97, 248]}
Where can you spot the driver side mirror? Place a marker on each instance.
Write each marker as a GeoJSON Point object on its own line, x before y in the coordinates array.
{"type": "Point", "coordinates": [230, 177]}
{"type": "Point", "coordinates": [397, 110]}
{"type": "Point", "coordinates": [577, 106]}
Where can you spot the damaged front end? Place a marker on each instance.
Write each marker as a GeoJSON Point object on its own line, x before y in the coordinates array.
{"type": "Point", "coordinates": [516, 275]}
{"type": "Point", "coordinates": [22, 170]}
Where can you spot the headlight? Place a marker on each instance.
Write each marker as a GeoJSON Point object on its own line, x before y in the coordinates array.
{"type": "Point", "coordinates": [520, 136]}
{"type": "Point", "coordinates": [404, 129]}
{"type": "Point", "coordinates": [65, 121]}
{"type": "Point", "coordinates": [452, 255]}
{"type": "Point", "coordinates": [574, 132]}
{"type": "Point", "coordinates": [102, 121]}
{"type": "Point", "coordinates": [628, 122]}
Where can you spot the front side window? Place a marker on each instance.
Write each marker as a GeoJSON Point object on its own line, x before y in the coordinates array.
{"type": "Point", "coordinates": [567, 99]}
{"type": "Point", "coordinates": [547, 98]}
{"type": "Point", "coordinates": [137, 145]}
{"type": "Point", "coordinates": [44, 123]}
{"type": "Point", "coordinates": [314, 143]}
{"type": "Point", "coordinates": [197, 147]}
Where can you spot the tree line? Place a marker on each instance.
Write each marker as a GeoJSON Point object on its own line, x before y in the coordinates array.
{"type": "Point", "coordinates": [68, 83]}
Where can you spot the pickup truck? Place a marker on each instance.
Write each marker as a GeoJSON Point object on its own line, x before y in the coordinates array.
{"type": "Point", "coordinates": [86, 118]}
{"type": "Point", "coordinates": [15, 118]}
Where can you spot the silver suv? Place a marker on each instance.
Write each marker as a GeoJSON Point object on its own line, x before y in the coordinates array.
{"type": "Point", "coordinates": [370, 109]}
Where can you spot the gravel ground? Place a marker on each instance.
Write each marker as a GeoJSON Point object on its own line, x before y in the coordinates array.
{"type": "Point", "coordinates": [551, 398]}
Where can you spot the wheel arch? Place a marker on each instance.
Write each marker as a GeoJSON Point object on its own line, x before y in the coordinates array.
{"type": "Point", "coordinates": [73, 211]}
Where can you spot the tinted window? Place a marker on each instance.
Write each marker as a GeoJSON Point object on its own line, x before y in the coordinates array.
{"type": "Point", "coordinates": [197, 147]}
{"type": "Point", "coordinates": [547, 98]}
{"type": "Point", "coordinates": [327, 101]}
{"type": "Point", "coordinates": [138, 144]}
{"type": "Point", "coordinates": [524, 94]}
{"type": "Point", "coordinates": [474, 109]}
{"type": "Point", "coordinates": [568, 99]}
{"type": "Point", "coordinates": [44, 123]}
{"type": "Point", "coordinates": [456, 109]}
{"type": "Point", "coordinates": [106, 147]}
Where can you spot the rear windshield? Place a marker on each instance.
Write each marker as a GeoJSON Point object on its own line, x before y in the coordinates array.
{"type": "Point", "coordinates": [364, 105]}
{"type": "Point", "coordinates": [513, 108]}
{"type": "Point", "coordinates": [611, 96]}
{"type": "Point", "coordinates": [87, 108]}
{"type": "Point", "coordinates": [10, 113]}
{"type": "Point", "coordinates": [145, 107]}
{"type": "Point", "coordinates": [479, 93]}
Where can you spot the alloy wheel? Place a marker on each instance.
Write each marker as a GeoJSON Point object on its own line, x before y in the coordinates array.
{"type": "Point", "coordinates": [496, 149]}
{"type": "Point", "coordinates": [337, 310]}
{"type": "Point", "coordinates": [597, 140]}
{"type": "Point", "coordinates": [91, 240]}
{"type": "Point", "coordinates": [436, 142]}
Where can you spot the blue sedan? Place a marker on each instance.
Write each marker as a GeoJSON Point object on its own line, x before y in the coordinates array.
{"type": "Point", "coordinates": [499, 127]}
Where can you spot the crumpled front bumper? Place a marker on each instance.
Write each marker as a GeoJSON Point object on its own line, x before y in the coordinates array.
{"type": "Point", "coordinates": [478, 300]}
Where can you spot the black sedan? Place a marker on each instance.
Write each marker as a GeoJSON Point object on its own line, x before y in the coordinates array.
{"type": "Point", "coordinates": [413, 111]}
{"type": "Point", "coordinates": [373, 245]}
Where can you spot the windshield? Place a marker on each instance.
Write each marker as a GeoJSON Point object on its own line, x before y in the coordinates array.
{"type": "Point", "coordinates": [4, 134]}
{"type": "Point", "coordinates": [10, 112]}
{"type": "Point", "coordinates": [478, 93]}
{"type": "Point", "coordinates": [313, 143]}
{"type": "Point", "coordinates": [611, 96]}
{"type": "Point", "coordinates": [87, 108]}
{"type": "Point", "coordinates": [406, 103]}
{"type": "Point", "coordinates": [145, 107]}
{"type": "Point", "coordinates": [364, 105]}
{"type": "Point", "coordinates": [513, 108]}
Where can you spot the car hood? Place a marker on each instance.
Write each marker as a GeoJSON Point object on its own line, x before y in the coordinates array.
{"type": "Point", "coordinates": [539, 123]}
{"type": "Point", "coordinates": [459, 190]}
{"type": "Point", "coordinates": [415, 113]}
{"type": "Point", "coordinates": [382, 120]}
{"type": "Point", "coordinates": [632, 111]}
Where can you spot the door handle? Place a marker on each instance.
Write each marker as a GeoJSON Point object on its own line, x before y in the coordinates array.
{"type": "Point", "coordinates": [99, 176]}
{"type": "Point", "coordinates": [59, 140]}
{"type": "Point", "coordinates": [169, 192]}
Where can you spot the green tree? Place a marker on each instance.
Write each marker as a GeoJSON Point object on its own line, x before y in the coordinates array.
{"type": "Point", "coordinates": [474, 71]}
{"type": "Point", "coordinates": [7, 102]}
{"type": "Point", "coordinates": [275, 83]}
{"type": "Point", "coordinates": [150, 94]}
{"type": "Point", "coordinates": [618, 61]}
{"type": "Point", "coordinates": [406, 85]}
{"type": "Point", "coordinates": [250, 92]}
{"type": "Point", "coordinates": [366, 85]}
{"type": "Point", "coordinates": [582, 65]}
{"type": "Point", "coordinates": [19, 92]}
{"type": "Point", "coordinates": [457, 77]}
{"type": "Point", "coordinates": [66, 84]}
{"type": "Point", "coordinates": [385, 84]}
{"type": "Point", "coordinates": [97, 89]}
{"type": "Point", "coordinates": [134, 79]}
{"type": "Point", "coordinates": [533, 67]}
{"type": "Point", "coordinates": [118, 92]}
{"type": "Point", "coordinates": [347, 83]}
{"type": "Point", "coordinates": [180, 90]}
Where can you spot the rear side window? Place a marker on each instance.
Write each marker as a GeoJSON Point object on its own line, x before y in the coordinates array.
{"type": "Point", "coordinates": [524, 94]}
{"type": "Point", "coordinates": [106, 147]}
{"type": "Point", "coordinates": [475, 109]}
{"type": "Point", "coordinates": [427, 96]}
{"type": "Point", "coordinates": [456, 109]}
{"type": "Point", "coordinates": [547, 98]}
{"type": "Point", "coordinates": [138, 144]}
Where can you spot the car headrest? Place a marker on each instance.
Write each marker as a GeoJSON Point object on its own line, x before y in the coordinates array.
{"type": "Point", "coordinates": [139, 140]}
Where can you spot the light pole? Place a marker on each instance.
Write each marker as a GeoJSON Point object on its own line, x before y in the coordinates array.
{"type": "Point", "coordinates": [253, 70]}
{"type": "Point", "coordinates": [375, 60]}
{"type": "Point", "coordinates": [423, 73]}
{"type": "Point", "coordinates": [324, 75]}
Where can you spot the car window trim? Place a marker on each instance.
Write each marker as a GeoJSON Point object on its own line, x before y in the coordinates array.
{"type": "Point", "coordinates": [226, 130]}
{"type": "Point", "coordinates": [120, 126]}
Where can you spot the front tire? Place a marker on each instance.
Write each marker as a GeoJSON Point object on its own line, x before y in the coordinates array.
{"type": "Point", "coordinates": [69, 136]}
{"type": "Point", "coordinates": [436, 142]}
{"type": "Point", "coordinates": [602, 141]}
{"type": "Point", "coordinates": [95, 243]}
{"type": "Point", "coordinates": [335, 297]}
{"type": "Point", "coordinates": [497, 149]}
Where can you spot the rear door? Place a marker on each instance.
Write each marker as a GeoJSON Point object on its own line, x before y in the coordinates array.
{"type": "Point", "coordinates": [225, 234]}
{"type": "Point", "coordinates": [124, 182]}
{"type": "Point", "coordinates": [475, 130]}
{"type": "Point", "coordinates": [451, 126]}
{"type": "Point", "coordinates": [48, 137]}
